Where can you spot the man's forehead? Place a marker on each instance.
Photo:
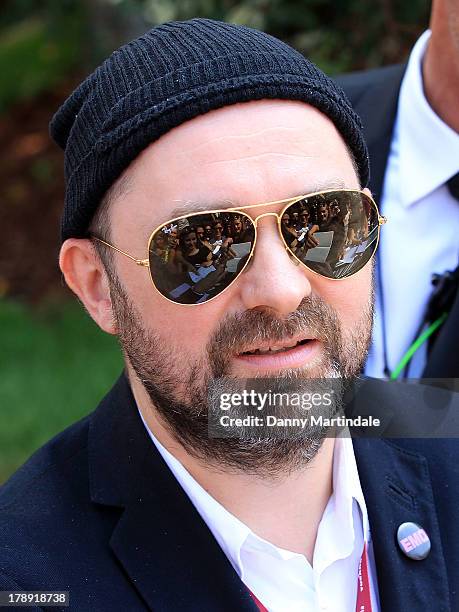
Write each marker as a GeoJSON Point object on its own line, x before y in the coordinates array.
{"type": "Point", "coordinates": [238, 163]}
{"type": "Point", "coordinates": [266, 129]}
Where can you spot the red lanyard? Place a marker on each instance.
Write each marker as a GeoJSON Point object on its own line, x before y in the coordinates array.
{"type": "Point", "coordinates": [363, 603]}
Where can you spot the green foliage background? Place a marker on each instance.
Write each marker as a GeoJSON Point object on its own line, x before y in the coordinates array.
{"type": "Point", "coordinates": [41, 40]}
{"type": "Point", "coordinates": [339, 36]}
{"type": "Point", "coordinates": [55, 364]}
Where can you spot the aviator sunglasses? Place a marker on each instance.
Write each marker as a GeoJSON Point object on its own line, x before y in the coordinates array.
{"type": "Point", "coordinates": [332, 233]}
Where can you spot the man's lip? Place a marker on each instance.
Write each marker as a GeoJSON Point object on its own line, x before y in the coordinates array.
{"type": "Point", "coordinates": [275, 346]}
{"type": "Point", "coordinates": [296, 357]}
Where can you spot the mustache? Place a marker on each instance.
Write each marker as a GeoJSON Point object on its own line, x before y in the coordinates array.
{"type": "Point", "coordinates": [313, 317]}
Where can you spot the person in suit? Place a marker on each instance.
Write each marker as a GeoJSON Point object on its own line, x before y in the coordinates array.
{"type": "Point", "coordinates": [411, 122]}
{"type": "Point", "coordinates": [144, 505]}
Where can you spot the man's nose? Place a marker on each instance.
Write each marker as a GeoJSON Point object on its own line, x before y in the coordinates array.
{"type": "Point", "coordinates": [273, 279]}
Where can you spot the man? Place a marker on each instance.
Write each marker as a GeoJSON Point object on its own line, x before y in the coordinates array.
{"type": "Point", "coordinates": [218, 237]}
{"type": "Point", "coordinates": [141, 506]}
{"type": "Point", "coordinates": [411, 119]}
{"type": "Point", "coordinates": [201, 234]}
{"type": "Point", "coordinates": [324, 216]}
{"type": "Point", "coordinates": [208, 232]}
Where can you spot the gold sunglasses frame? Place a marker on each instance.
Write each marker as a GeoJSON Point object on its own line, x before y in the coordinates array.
{"type": "Point", "coordinates": [288, 202]}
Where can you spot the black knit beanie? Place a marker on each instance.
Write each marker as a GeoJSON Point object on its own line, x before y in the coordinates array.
{"type": "Point", "coordinates": [169, 75]}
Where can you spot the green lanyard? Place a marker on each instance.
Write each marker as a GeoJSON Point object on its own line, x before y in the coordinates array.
{"type": "Point", "coordinates": [416, 345]}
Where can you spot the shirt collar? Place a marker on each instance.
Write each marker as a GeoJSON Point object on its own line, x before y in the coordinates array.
{"type": "Point", "coordinates": [232, 535]}
{"type": "Point", "coordinates": [421, 135]}
{"type": "Point", "coordinates": [337, 535]}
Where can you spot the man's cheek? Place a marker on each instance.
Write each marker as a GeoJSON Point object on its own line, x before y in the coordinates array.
{"type": "Point", "coordinates": [351, 295]}
{"type": "Point", "coordinates": [196, 326]}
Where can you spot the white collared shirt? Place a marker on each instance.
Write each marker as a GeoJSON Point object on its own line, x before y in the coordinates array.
{"type": "Point", "coordinates": [421, 235]}
{"type": "Point", "coordinates": [284, 580]}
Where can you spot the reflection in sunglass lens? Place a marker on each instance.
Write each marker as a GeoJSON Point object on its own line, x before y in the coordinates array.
{"type": "Point", "coordinates": [194, 258]}
{"type": "Point", "coordinates": [337, 232]}
{"type": "Point", "coordinates": [208, 253]}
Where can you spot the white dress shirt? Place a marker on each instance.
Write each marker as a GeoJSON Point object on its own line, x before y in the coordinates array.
{"type": "Point", "coordinates": [284, 580]}
{"type": "Point", "coordinates": [421, 235]}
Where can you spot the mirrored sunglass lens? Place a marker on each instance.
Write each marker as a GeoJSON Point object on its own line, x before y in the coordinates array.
{"type": "Point", "coordinates": [195, 258]}
{"type": "Point", "coordinates": [336, 233]}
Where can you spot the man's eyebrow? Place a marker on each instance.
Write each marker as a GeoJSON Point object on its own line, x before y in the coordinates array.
{"type": "Point", "coordinates": [189, 207]}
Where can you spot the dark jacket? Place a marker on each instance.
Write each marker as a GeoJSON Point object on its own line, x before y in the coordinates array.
{"type": "Point", "coordinates": [374, 96]}
{"type": "Point", "coordinates": [98, 513]}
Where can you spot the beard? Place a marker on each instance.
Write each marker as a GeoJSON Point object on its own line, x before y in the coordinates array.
{"type": "Point", "coordinates": [185, 392]}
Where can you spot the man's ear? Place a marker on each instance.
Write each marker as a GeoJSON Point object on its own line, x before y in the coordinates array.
{"type": "Point", "coordinates": [85, 274]}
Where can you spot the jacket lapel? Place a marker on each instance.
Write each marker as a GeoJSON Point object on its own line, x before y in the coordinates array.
{"type": "Point", "coordinates": [164, 546]}
{"type": "Point", "coordinates": [397, 489]}
{"type": "Point", "coordinates": [441, 363]}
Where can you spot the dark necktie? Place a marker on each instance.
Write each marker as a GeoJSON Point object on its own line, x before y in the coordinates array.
{"type": "Point", "coordinates": [453, 186]}
{"type": "Point", "coordinates": [446, 284]}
